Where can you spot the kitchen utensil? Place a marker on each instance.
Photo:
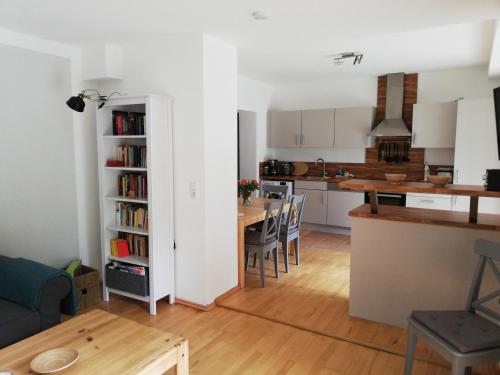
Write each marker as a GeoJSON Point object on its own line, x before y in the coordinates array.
{"type": "Point", "coordinates": [300, 169]}
{"type": "Point", "coordinates": [439, 181]}
{"type": "Point", "coordinates": [406, 152]}
{"type": "Point", "coordinates": [395, 178]}
{"type": "Point", "coordinates": [286, 168]}
{"type": "Point", "coordinates": [54, 360]}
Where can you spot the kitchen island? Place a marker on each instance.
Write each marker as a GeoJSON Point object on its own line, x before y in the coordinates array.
{"type": "Point", "coordinates": [405, 259]}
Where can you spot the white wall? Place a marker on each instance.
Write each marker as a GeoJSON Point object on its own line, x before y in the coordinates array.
{"type": "Point", "coordinates": [220, 111]}
{"type": "Point", "coordinates": [38, 191]}
{"type": "Point", "coordinates": [84, 144]}
{"type": "Point", "coordinates": [256, 96]}
{"type": "Point", "coordinates": [185, 66]}
{"type": "Point", "coordinates": [249, 163]}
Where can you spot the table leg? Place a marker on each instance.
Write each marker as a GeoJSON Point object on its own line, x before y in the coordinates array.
{"type": "Point", "coordinates": [241, 252]}
{"type": "Point", "coordinates": [183, 358]}
{"type": "Point", "coordinates": [473, 208]}
{"type": "Point", "coordinates": [373, 202]}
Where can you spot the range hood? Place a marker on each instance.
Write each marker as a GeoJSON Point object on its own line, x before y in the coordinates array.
{"type": "Point", "coordinates": [393, 124]}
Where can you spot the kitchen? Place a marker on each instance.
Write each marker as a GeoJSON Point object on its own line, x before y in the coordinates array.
{"type": "Point", "coordinates": [316, 152]}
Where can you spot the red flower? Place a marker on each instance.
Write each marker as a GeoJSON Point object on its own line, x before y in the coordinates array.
{"type": "Point", "coordinates": [243, 182]}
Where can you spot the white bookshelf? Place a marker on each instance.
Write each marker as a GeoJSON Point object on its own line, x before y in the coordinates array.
{"type": "Point", "coordinates": [158, 142]}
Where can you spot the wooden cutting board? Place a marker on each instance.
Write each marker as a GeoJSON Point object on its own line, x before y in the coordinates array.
{"type": "Point", "coordinates": [300, 169]}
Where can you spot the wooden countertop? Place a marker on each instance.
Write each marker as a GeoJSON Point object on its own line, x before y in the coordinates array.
{"type": "Point", "coordinates": [425, 216]}
{"type": "Point", "coordinates": [304, 178]}
{"type": "Point", "coordinates": [418, 187]}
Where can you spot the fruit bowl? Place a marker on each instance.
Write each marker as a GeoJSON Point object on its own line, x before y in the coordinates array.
{"type": "Point", "coordinates": [395, 178]}
{"type": "Point", "coordinates": [439, 181]}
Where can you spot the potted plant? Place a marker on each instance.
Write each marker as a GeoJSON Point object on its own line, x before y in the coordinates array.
{"type": "Point", "coordinates": [245, 189]}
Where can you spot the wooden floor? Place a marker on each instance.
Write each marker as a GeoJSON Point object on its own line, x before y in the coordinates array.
{"type": "Point", "coordinates": [225, 341]}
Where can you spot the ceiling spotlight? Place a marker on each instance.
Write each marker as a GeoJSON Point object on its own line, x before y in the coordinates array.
{"type": "Point", "coordinates": [339, 58]}
{"type": "Point", "coordinates": [259, 15]}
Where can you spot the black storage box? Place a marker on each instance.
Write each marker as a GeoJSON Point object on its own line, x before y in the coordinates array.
{"type": "Point", "coordinates": [493, 179]}
{"type": "Point", "coordinates": [127, 282]}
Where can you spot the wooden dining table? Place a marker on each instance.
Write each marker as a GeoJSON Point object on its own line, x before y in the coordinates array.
{"type": "Point", "coordinates": [249, 215]}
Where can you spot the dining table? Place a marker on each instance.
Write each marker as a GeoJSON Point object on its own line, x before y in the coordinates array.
{"type": "Point", "coordinates": [248, 215]}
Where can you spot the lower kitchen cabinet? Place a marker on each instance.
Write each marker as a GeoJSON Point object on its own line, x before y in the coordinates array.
{"type": "Point", "coordinates": [315, 207]}
{"type": "Point", "coordinates": [433, 202]}
{"type": "Point", "coordinates": [340, 203]}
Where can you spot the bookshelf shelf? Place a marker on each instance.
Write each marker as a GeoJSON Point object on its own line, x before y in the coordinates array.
{"type": "Point", "coordinates": [155, 115]}
{"type": "Point", "coordinates": [124, 136]}
{"type": "Point", "coordinates": [130, 169]}
{"type": "Point", "coordinates": [125, 229]}
{"type": "Point", "coordinates": [119, 198]}
{"type": "Point", "coordinates": [132, 259]}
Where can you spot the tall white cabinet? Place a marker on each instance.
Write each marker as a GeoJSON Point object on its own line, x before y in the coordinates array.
{"type": "Point", "coordinates": [159, 201]}
{"type": "Point", "coordinates": [475, 149]}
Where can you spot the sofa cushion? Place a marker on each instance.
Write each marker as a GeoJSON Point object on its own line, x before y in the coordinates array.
{"type": "Point", "coordinates": [466, 331]}
{"type": "Point", "coordinates": [16, 322]}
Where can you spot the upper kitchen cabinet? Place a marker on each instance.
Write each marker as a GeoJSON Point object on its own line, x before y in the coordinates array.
{"type": "Point", "coordinates": [352, 126]}
{"type": "Point", "coordinates": [434, 125]}
{"type": "Point", "coordinates": [318, 128]}
{"type": "Point", "coordinates": [285, 128]}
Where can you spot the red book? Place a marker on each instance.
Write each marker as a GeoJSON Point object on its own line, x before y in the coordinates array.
{"type": "Point", "coordinates": [114, 163]}
{"type": "Point", "coordinates": [122, 246]}
{"type": "Point", "coordinates": [119, 124]}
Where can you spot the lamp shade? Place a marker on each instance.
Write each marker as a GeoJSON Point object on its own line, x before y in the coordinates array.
{"type": "Point", "coordinates": [76, 103]}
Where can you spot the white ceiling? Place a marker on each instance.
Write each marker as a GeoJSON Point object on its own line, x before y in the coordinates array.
{"type": "Point", "coordinates": [394, 35]}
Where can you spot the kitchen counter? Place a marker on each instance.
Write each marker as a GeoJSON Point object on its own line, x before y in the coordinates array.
{"type": "Point", "coordinates": [304, 178]}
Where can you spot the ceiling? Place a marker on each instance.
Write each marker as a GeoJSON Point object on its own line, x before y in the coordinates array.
{"type": "Point", "coordinates": [291, 45]}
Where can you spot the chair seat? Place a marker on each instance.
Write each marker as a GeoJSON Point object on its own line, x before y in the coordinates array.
{"type": "Point", "coordinates": [466, 331]}
{"type": "Point", "coordinates": [283, 230]}
{"type": "Point", "coordinates": [253, 238]}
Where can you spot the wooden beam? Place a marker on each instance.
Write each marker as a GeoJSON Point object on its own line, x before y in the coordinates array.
{"type": "Point", "coordinates": [473, 209]}
{"type": "Point", "coordinates": [373, 202]}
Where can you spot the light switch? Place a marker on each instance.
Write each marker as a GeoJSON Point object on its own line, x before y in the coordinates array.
{"type": "Point", "coordinates": [193, 189]}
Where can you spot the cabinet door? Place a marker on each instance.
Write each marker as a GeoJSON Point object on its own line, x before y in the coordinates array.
{"type": "Point", "coordinates": [318, 128]}
{"type": "Point", "coordinates": [475, 150]}
{"type": "Point", "coordinates": [434, 125]}
{"type": "Point", "coordinates": [285, 129]}
{"type": "Point", "coordinates": [315, 207]}
{"type": "Point", "coordinates": [352, 126]}
{"type": "Point", "coordinates": [339, 205]}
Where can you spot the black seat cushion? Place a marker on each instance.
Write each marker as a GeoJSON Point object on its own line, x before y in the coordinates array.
{"type": "Point", "coordinates": [16, 322]}
{"type": "Point", "coordinates": [466, 331]}
{"type": "Point", "coordinates": [253, 238]}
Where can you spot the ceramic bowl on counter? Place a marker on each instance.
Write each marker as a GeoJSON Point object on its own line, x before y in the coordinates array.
{"type": "Point", "coordinates": [395, 178]}
{"type": "Point", "coordinates": [438, 181]}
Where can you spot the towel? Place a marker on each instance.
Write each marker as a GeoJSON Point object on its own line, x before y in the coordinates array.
{"type": "Point", "coordinates": [22, 282]}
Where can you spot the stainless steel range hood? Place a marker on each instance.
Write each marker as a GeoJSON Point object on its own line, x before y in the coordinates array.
{"type": "Point", "coordinates": [393, 124]}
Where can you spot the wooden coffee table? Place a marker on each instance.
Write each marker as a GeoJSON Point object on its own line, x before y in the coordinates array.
{"type": "Point", "coordinates": [106, 343]}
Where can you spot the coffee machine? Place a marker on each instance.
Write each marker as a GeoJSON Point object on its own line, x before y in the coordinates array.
{"type": "Point", "coordinates": [271, 168]}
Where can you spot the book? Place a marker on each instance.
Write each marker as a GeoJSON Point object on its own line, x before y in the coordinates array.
{"type": "Point", "coordinates": [128, 123]}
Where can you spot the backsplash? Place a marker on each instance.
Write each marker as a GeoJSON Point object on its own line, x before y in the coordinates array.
{"type": "Point", "coordinates": [372, 168]}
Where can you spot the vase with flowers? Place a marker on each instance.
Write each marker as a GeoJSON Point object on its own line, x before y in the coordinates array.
{"type": "Point", "coordinates": [245, 189]}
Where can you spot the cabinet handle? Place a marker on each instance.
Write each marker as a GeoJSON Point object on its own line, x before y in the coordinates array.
{"type": "Point", "coordinates": [426, 201]}
{"type": "Point", "coordinates": [302, 139]}
{"type": "Point", "coordinates": [296, 139]}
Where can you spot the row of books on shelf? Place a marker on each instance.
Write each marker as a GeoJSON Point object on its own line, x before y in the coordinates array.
{"type": "Point", "coordinates": [129, 156]}
{"type": "Point", "coordinates": [128, 123]}
{"type": "Point", "coordinates": [129, 244]}
{"type": "Point", "coordinates": [136, 270]}
{"type": "Point", "coordinates": [133, 185]}
{"type": "Point", "coordinates": [132, 215]}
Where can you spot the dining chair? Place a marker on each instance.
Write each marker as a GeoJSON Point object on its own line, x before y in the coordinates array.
{"type": "Point", "coordinates": [290, 231]}
{"type": "Point", "coordinates": [264, 242]}
{"type": "Point", "coordinates": [274, 191]}
{"type": "Point", "coordinates": [463, 337]}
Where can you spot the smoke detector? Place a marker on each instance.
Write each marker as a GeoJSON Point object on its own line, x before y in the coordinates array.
{"type": "Point", "coordinates": [339, 58]}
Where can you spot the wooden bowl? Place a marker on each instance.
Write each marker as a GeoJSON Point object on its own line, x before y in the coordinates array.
{"type": "Point", "coordinates": [439, 181]}
{"type": "Point", "coordinates": [395, 178]}
{"type": "Point", "coordinates": [54, 360]}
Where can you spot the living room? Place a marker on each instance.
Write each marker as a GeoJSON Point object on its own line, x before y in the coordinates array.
{"type": "Point", "coordinates": [184, 70]}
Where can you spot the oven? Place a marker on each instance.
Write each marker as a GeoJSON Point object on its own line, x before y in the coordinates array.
{"type": "Point", "coordinates": [390, 199]}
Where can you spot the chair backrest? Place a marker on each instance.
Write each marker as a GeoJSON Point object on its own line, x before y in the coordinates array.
{"type": "Point", "coordinates": [274, 191]}
{"type": "Point", "coordinates": [294, 214]}
{"type": "Point", "coordinates": [272, 222]}
{"type": "Point", "coordinates": [489, 254]}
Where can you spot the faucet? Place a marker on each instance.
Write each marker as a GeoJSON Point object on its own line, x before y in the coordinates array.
{"type": "Point", "coordinates": [320, 160]}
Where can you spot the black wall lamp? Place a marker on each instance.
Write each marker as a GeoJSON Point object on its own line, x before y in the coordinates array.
{"type": "Point", "coordinates": [77, 103]}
